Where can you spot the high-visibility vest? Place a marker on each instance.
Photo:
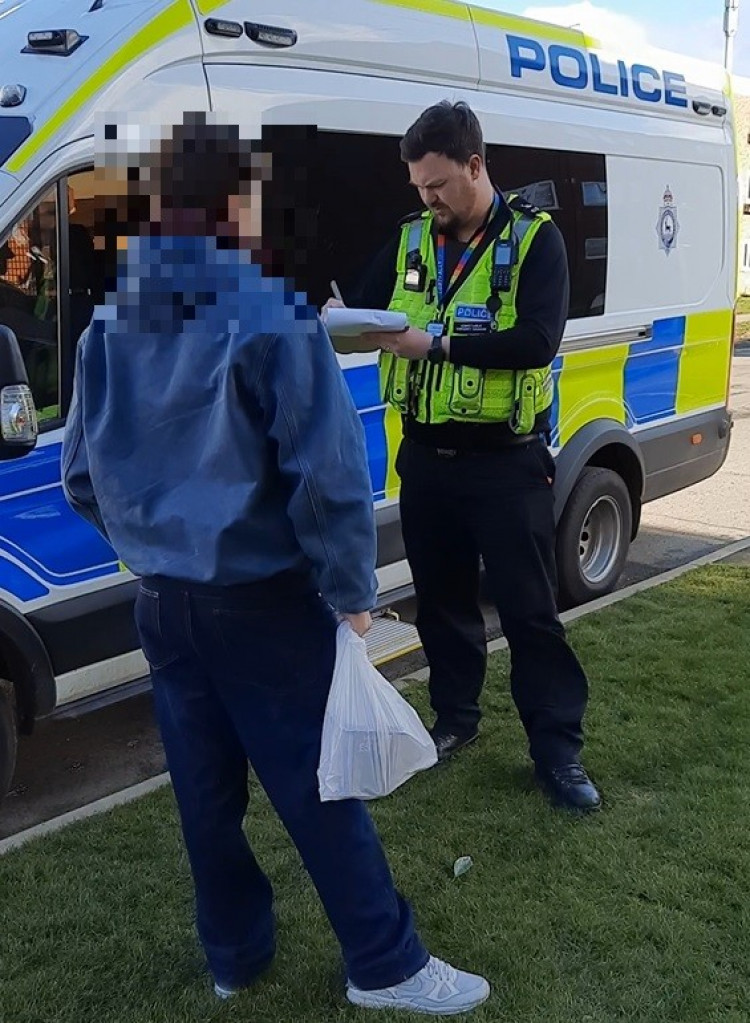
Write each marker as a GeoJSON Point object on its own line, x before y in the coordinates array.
{"type": "Point", "coordinates": [443, 392]}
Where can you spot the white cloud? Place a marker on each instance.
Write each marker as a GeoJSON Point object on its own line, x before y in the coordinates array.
{"type": "Point", "coordinates": [702, 38]}
{"type": "Point", "coordinates": [606, 25]}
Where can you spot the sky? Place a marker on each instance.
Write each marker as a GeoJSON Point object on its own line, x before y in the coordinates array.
{"type": "Point", "coordinates": [693, 27]}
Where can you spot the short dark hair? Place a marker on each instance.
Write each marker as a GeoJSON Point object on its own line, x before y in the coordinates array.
{"type": "Point", "coordinates": [201, 164]}
{"type": "Point", "coordinates": [450, 129]}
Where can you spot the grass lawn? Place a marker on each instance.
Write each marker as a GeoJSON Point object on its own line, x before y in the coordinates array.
{"type": "Point", "coordinates": [639, 914]}
{"type": "Point", "coordinates": [743, 305]}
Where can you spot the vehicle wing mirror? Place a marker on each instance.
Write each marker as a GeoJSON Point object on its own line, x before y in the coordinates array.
{"type": "Point", "coordinates": [19, 427]}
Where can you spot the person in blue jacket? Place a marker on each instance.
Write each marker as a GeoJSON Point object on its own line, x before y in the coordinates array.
{"type": "Point", "coordinates": [213, 441]}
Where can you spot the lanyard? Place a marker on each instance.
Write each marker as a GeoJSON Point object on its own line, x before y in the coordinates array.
{"type": "Point", "coordinates": [475, 241]}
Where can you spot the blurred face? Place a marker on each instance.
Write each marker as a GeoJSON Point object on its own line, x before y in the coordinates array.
{"type": "Point", "coordinates": [245, 220]}
{"type": "Point", "coordinates": [447, 189]}
{"type": "Point", "coordinates": [241, 221]}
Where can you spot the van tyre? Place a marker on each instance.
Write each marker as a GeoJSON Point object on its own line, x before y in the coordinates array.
{"type": "Point", "coordinates": [593, 536]}
{"type": "Point", "coordinates": [8, 735]}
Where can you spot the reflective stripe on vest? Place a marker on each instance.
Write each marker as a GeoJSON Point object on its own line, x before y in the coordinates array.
{"type": "Point", "coordinates": [415, 236]}
{"type": "Point", "coordinates": [521, 228]}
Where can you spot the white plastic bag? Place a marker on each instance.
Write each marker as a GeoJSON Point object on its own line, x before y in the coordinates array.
{"type": "Point", "coordinates": [373, 740]}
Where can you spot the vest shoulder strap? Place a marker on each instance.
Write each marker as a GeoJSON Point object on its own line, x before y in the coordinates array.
{"type": "Point", "coordinates": [417, 215]}
{"type": "Point", "coordinates": [526, 209]}
{"type": "Point", "coordinates": [525, 217]}
{"type": "Point", "coordinates": [412, 230]}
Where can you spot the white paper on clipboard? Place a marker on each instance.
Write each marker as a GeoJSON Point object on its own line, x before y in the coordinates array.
{"type": "Point", "coordinates": [353, 322]}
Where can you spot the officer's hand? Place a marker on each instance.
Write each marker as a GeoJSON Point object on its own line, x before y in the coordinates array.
{"type": "Point", "coordinates": [412, 344]}
{"type": "Point", "coordinates": [333, 303]}
{"type": "Point", "coordinates": [361, 622]}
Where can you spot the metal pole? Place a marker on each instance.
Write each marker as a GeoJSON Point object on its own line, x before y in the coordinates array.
{"type": "Point", "coordinates": [731, 21]}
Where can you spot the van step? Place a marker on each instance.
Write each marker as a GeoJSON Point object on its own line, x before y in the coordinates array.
{"type": "Point", "coordinates": [390, 638]}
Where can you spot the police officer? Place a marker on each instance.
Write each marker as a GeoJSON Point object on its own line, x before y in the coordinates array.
{"type": "Point", "coordinates": [483, 279]}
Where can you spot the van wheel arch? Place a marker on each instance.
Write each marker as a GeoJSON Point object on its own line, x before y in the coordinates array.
{"type": "Point", "coordinates": [608, 445]}
{"type": "Point", "coordinates": [25, 663]}
{"type": "Point", "coordinates": [27, 686]}
{"type": "Point", "coordinates": [624, 462]}
{"type": "Point", "coordinates": [598, 491]}
{"type": "Point", "coordinates": [8, 735]}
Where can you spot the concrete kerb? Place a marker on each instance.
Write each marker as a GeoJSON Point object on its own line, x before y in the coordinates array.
{"type": "Point", "coordinates": [152, 784]}
{"type": "Point", "coordinates": [83, 812]}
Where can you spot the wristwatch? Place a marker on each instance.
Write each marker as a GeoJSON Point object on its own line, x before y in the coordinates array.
{"type": "Point", "coordinates": [436, 353]}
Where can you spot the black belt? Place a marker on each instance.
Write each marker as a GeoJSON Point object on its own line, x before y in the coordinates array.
{"type": "Point", "coordinates": [512, 441]}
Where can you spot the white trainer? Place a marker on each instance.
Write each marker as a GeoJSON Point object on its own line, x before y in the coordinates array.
{"type": "Point", "coordinates": [224, 992]}
{"type": "Point", "coordinates": [439, 989]}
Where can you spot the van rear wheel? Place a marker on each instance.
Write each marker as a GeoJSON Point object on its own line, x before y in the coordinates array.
{"type": "Point", "coordinates": [8, 735]}
{"type": "Point", "coordinates": [593, 536]}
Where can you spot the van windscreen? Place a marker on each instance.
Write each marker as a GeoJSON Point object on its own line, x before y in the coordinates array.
{"type": "Point", "coordinates": [13, 131]}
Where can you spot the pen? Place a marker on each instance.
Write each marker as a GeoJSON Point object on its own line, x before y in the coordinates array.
{"type": "Point", "coordinates": [335, 291]}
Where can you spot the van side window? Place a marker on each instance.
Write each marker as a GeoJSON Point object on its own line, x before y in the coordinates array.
{"type": "Point", "coordinates": [363, 191]}
{"type": "Point", "coordinates": [29, 300]}
{"type": "Point", "coordinates": [572, 188]}
{"type": "Point", "coordinates": [86, 274]}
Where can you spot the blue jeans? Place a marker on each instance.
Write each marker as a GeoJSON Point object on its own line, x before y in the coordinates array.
{"type": "Point", "coordinates": [243, 673]}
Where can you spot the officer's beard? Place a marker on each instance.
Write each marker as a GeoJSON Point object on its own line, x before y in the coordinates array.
{"type": "Point", "coordinates": [448, 223]}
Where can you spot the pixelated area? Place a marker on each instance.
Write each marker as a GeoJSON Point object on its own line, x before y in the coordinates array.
{"type": "Point", "coordinates": [201, 227]}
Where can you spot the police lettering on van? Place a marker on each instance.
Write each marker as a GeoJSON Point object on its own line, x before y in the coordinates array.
{"type": "Point", "coordinates": [571, 68]}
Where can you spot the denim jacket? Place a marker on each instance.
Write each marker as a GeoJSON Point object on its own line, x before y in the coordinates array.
{"type": "Point", "coordinates": [212, 437]}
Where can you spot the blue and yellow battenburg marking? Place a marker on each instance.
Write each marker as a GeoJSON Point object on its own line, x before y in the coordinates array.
{"type": "Point", "coordinates": [44, 545]}
{"type": "Point", "coordinates": [681, 369]}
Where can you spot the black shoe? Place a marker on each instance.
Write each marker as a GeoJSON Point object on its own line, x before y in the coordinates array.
{"type": "Point", "coordinates": [448, 743]}
{"type": "Point", "coordinates": [569, 787]}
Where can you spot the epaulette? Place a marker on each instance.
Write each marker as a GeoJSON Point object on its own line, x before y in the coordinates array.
{"type": "Point", "coordinates": [519, 205]}
{"type": "Point", "coordinates": [417, 215]}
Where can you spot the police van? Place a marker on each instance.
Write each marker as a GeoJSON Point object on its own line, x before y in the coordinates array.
{"type": "Point", "coordinates": [632, 155]}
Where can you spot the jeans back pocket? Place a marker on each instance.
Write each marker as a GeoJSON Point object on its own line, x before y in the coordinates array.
{"type": "Point", "coordinates": [155, 643]}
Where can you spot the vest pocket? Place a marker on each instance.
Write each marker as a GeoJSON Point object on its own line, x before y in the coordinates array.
{"type": "Point", "coordinates": [525, 404]}
{"type": "Point", "coordinates": [466, 391]}
{"type": "Point", "coordinates": [498, 393]}
{"type": "Point", "coordinates": [394, 376]}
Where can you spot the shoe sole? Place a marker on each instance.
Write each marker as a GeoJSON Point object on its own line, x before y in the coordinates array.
{"type": "Point", "coordinates": [453, 752]}
{"type": "Point", "coordinates": [370, 1001]}
{"type": "Point", "coordinates": [224, 994]}
{"type": "Point", "coordinates": [580, 811]}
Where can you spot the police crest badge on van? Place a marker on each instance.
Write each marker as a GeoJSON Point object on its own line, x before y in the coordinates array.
{"type": "Point", "coordinates": [668, 226]}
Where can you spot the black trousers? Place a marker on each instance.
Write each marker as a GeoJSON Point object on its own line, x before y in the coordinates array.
{"type": "Point", "coordinates": [497, 505]}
